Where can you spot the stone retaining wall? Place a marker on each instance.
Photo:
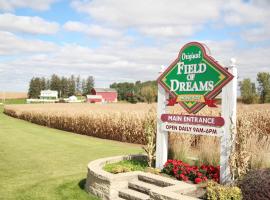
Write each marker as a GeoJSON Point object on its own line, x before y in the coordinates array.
{"type": "Point", "coordinates": [107, 185]}
{"type": "Point", "coordinates": [104, 184]}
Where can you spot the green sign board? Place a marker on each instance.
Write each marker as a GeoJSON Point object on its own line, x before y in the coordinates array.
{"type": "Point", "coordinates": [194, 78]}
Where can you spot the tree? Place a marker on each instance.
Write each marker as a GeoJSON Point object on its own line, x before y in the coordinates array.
{"type": "Point", "coordinates": [43, 83]}
{"type": "Point", "coordinates": [47, 84]}
{"type": "Point", "coordinates": [55, 83]}
{"type": "Point", "coordinates": [84, 89]}
{"type": "Point", "coordinates": [148, 93]}
{"type": "Point", "coordinates": [89, 84]}
{"type": "Point", "coordinates": [34, 88]}
{"type": "Point", "coordinates": [78, 85]}
{"type": "Point", "coordinates": [64, 87]}
{"type": "Point", "coordinates": [124, 90]}
{"type": "Point", "coordinates": [31, 88]}
{"type": "Point", "coordinates": [263, 79]}
{"type": "Point", "coordinates": [248, 91]}
{"type": "Point", "coordinates": [71, 85]}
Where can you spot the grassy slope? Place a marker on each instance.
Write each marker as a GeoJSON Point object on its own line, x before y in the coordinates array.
{"type": "Point", "coordinates": [42, 163]}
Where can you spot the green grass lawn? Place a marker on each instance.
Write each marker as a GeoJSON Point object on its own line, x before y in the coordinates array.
{"type": "Point", "coordinates": [15, 101]}
{"type": "Point", "coordinates": [42, 163]}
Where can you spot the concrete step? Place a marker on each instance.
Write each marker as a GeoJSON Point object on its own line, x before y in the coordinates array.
{"type": "Point", "coordinates": [129, 194]}
{"type": "Point", "coordinates": [156, 180]}
{"type": "Point", "coordinates": [180, 187]}
{"type": "Point", "coordinates": [141, 186]}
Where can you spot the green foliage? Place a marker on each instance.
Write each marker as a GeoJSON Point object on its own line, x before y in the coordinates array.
{"type": "Point", "coordinates": [44, 163]}
{"type": "Point", "coordinates": [248, 91]}
{"type": "Point", "coordinates": [71, 85]}
{"type": "Point", "coordinates": [132, 99]}
{"type": "Point", "coordinates": [124, 90]}
{"type": "Point", "coordinates": [150, 134]}
{"type": "Point", "coordinates": [141, 91]}
{"type": "Point", "coordinates": [64, 87]}
{"type": "Point", "coordinates": [125, 166]}
{"type": "Point", "coordinates": [148, 93]}
{"type": "Point", "coordinates": [89, 84]}
{"type": "Point", "coordinates": [35, 86]}
{"type": "Point", "coordinates": [214, 191]}
{"type": "Point", "coordinates": [263, 79]}
{"type": "Point", "coordinates": [55, 83]}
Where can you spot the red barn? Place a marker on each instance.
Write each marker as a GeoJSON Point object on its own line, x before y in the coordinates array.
{"type": "Point", "coordinates": [108, 95]}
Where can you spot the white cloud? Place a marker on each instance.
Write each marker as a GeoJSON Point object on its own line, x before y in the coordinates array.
{"type": "Point", "coordinates": [108, 64]}
{"type": "Point", "coordinates": [91, 30]}
{"type": "Point", "coordinates": [258, 34]}
{"type": "Point", "coordinates": [158, 18]}
{"type": "Point", "coordinates": [238, 12]}
{"type": "Point", "coordinates": [33, 25]}
{"type": "Point", "coordinates": [253, 16]}
{"type": "Point", "coordinates": [9, 5]}
{"type": "Point", "coordinates": [10, 45]}
{"type": "Point", "coordinates": [124, 53]}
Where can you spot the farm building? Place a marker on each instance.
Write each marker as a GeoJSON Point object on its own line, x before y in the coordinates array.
{"type": "Point", "coordinates": [106, 95]}
{"type": "Point", "coordinates": [94, 98]}
{"type": "Point", "coordinates": [48, 94]}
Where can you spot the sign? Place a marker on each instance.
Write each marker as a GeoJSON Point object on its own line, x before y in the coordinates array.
{"type": "Point", "coordinates": [194, 79]}
{"type": "Point", "coordinates": [193, 119]}
{"type": "Point", "coordinates": [192, 129]}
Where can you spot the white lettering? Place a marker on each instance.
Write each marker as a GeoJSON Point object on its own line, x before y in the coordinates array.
{"type": "Point", "coordinates": [174, 85]}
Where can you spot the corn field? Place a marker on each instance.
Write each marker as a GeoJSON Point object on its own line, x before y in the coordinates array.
{"type": "Point", "coordinates": [125, 122]}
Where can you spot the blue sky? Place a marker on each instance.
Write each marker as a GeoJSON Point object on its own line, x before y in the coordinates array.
{"type": "Point", "coordinates": [119, 40]}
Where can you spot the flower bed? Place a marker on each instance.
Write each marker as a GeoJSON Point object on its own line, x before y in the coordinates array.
{"type": "Point", "coordinates": [126, 166]}
{"type": "Point", "coordinates": [183, 171]}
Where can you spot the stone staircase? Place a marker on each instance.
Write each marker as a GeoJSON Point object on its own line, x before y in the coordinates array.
{"type": "Point", "coordinates": [146, 184]}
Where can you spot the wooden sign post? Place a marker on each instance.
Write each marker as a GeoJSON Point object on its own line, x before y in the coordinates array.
{"type": "Point", "coordinates": [229, 102]}
{"type": "Point", "coordinates": [193, 80]}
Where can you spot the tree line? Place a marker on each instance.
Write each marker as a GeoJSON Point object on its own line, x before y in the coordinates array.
{"type": "Point", "coordinates": [136, 92]}
{"type": "Point", "coordinates": [66, 86]}
{"type": "Point", "coordinates": [147, 91]}
{"type": "Point", "coordinates": [250, 94]}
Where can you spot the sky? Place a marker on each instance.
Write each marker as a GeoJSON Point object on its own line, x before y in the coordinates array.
{"type": "Point", "coordinates": [126, 40]}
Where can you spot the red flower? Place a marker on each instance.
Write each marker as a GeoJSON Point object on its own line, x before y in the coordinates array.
{"type": "Point", "coordinates": [183, 171]}
{"type": "Point", "coordinates": [183, 177]}
{"type": "Point", "coordinates": [199, 174]}
{"type": "Point", "coordinates": [197, 180]}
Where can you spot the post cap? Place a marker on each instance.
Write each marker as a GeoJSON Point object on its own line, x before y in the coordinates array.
{"type": "Point", "coordinates": [233, 62]}
{"type": "Point", "coordinates": [162, 69]}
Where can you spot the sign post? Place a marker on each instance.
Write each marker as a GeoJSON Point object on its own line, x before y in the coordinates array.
{"type": "Point", "coordinates": [162, 135]}
{"type": "Point", "coordinates": [229, 101]}
{"type": "Point", "coordinates": [193, 81]}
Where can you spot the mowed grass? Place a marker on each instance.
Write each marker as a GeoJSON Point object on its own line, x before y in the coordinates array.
{"type": "Point", "coordinates": [42, 163]}
{"type": "Point", "coordinates": [14, 101]}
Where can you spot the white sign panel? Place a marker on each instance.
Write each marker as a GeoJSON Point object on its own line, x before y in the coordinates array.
{"type": "Point", "coordinates": [192, 129]}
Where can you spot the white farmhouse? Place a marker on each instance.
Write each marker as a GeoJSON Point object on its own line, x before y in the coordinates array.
{"type": "Point", "coordinates": [49, 94]}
